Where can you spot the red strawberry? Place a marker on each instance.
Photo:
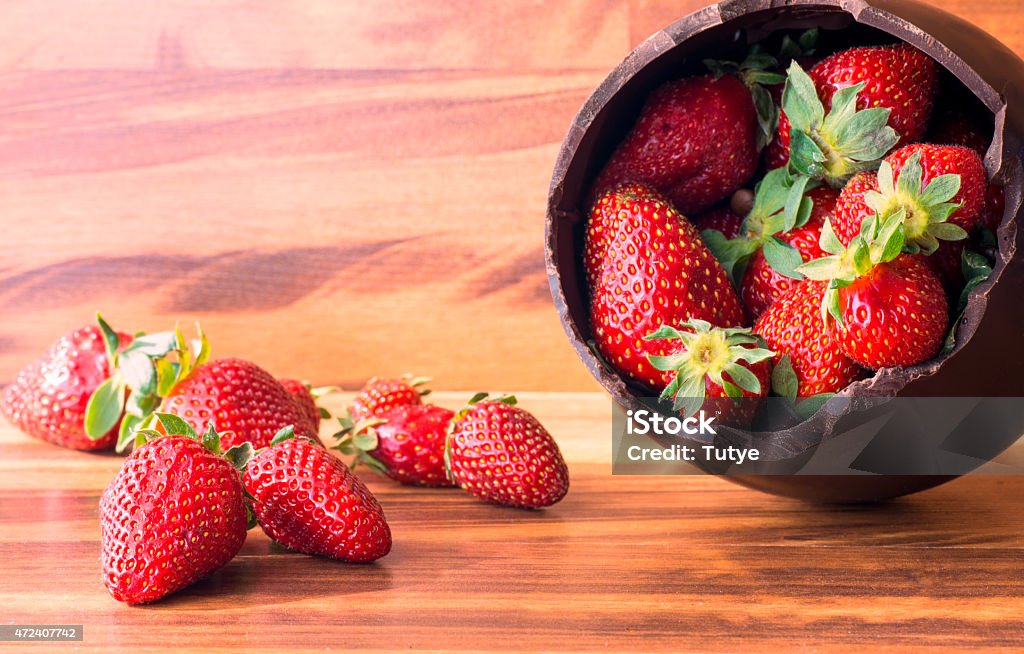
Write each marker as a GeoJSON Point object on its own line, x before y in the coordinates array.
{"type": "Point", "coordinates": [656, 272]}
{"type": "Point", "coordinates": [695, 141]}
{"type": "Point", "coordinates": [378, 396]}
{"type": "Point", "coordinates": [898, 77]}
{"type": "Point", "coordinates": [793, 326]}
{"type": "Point", "coordinates": [48, 398]}
{"type": "Point", "coordinates": [172, 515]}
{"type": "Point", "coordinates": [937, 160]}
{"type": "Point", "coordinates": [762, 284]}
{"type": "Point", "coordinates": [302, 393]}
{"type": "Point", "coordinates": [721, 219]}
{"type": "Point", "coordinates": [502, 454]}
{"type": "Point", "coordinates": [894, 89]}
{"type": "Point", "coordinates": [852, 207]}
{"type": "Point", "coordinates": [883, 308]}
{"type": "Point", "coordinates": [894, 315]}
{"type": "Point", "coordinates": [310, 502]}
{"type": "Point", "coordinates": [405, 443]}
{"type": "Point", "coordinates": [242, 400]}
{"type": "Point", "coordinates": [939, 188]}
{"type": "Point", "coordinates": [722, 371]}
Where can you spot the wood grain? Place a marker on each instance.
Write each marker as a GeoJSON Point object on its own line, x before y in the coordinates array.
{"type": "Point", "coordinates": [624, 563]}
{"type": "Point", "coordinates": [335, 189]}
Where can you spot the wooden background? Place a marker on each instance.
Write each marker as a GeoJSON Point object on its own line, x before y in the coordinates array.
{"type": "Point", "coordinates": [336, 189]}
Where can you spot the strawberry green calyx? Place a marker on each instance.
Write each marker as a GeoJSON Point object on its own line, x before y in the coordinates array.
{"type": "Point", "coordinates": [360, 438]}
{"type": "Point", "coordinates": [757, 72]}
{"type": "Point", "coordinates": [835, 146]}
{"type": "Point", "coordinates": [131, 388]}
{"type": "Point", "coordinates": [879, 241]}
{"type": "Point", "coordinates": [172, 425]}
{"type": "Point", "coordinates": [707, 352]}
{"type": "Point", "coordinates": [754, 71]}
{"type": "Point", "coordinates": [925, 209]}
{"type": "Point", "coordinates": [146, 371]}
{"type": "Point", "coordinates": [780, 204]}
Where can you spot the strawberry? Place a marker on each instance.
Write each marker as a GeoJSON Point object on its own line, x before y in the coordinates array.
{"type": "Point", "coordinates": [302, 393]}
{"type": "Point", "coordinates": [761, 73]}
{"type": "Point", "coordinates": [656, 272]}
{"type": "Point", "coordinates": [722, 371]}
{"type": "Point", "coordinates": [721, 219]}
{"type": "Point", "coordinates": [173, 514]}
{"type": "Point", "coordinates": [939, 190]}
{"type": "Point", "coordinates": [242, 400]}
{"type": "Point", "coordinates": [405, 443]}
{"type": "Point", "coordinates": [378, 396]}
{"type": "Point", "coordinates": [502, 454]}
{"type": "Point", "coordinates": [695, 141]}
{"type": "Point", "coordinates": [792, 327]}
{"type": "Point", "coordinates": [883, 308]}
{"type": "Point", "coordinates": [939, 160]}
{"type": "Point", "coordinates": [762, 284]}
{"type": "Point", "coordinates": [898, 77]}
{"type": "Point", "coordinates": [48, 399]}
{"type": "Point", "coordinates": [310, 502]}
{"type": "Point", "coordinates": [876, 97]}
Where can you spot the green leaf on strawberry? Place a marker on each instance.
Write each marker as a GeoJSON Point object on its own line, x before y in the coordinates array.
{"type": "Point", "coordinates": [755, 71]}
{"type": "Point", "coordinates": [976, 269]}
{"type": "Point", "coordinates": [780, 205]}
{"type": "Point", "coordinates": [833, 147]}
{"type": "Point", "coordinates": [104, 407]}
{"type": "Point", "coordinates": [925, 209]}
{"type": "Point", "coordinates": [707, 354]}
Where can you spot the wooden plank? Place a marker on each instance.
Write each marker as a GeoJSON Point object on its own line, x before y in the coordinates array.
{"type": "Point", "coordinates": [416, 34]}
{"type": "Point", "coordinates": [652, 563]}
{"type": "Point", "coordinates": [329, 213]}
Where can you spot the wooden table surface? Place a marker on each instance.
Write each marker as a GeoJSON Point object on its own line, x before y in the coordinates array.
{"type": "Point", "coordinates": [647, 563]}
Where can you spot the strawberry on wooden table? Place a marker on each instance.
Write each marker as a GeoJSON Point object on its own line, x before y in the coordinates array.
{"type": "Point", "coordinates": [243, 401]}
{"type": "Point", "coordinates": [657, 271]}
{"type": "Point", "coordinates": [405, 443]}
{"type": "Point", "coordinates": [310, 502]}
{"type": "Point", "coordinates": [173, 514]}
{"type": "Point", "coordinates": [49, 398]}
{"type": "Point", "coordinates": [723, 371]}
{"type": "Point", "coordinates": [793, 328]}
{"type": "Point", "coordinates": [378, 396]}
{"type": "Point", "coordinates": [501, 453]}
{"type": "Point", "coordinates": [882, 307]}
{"type": "Point", "coordinates": [695, 141]}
